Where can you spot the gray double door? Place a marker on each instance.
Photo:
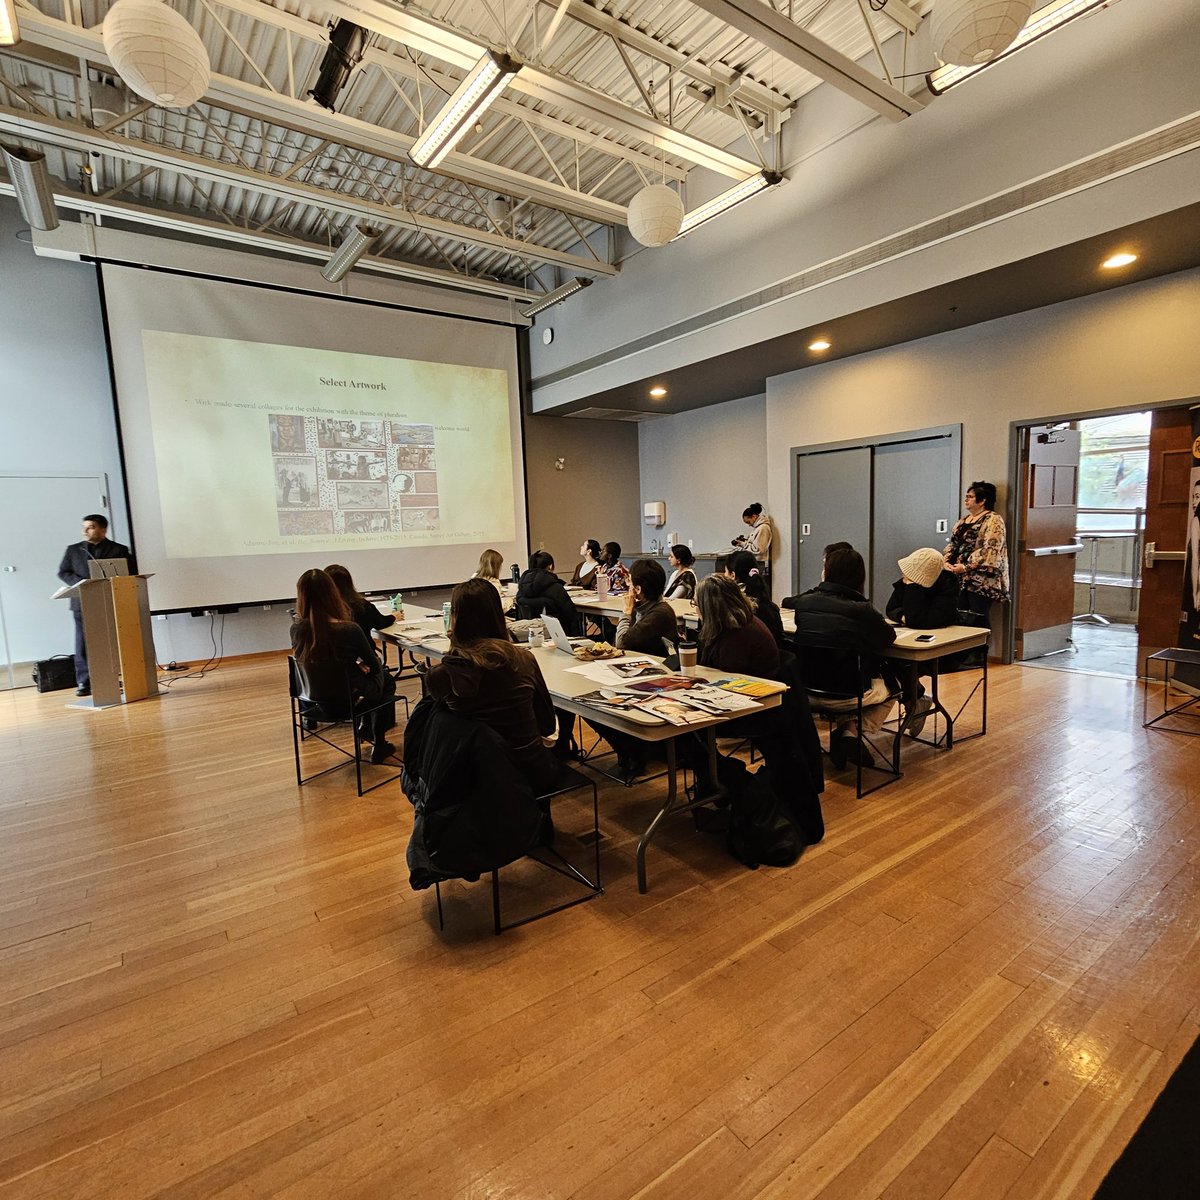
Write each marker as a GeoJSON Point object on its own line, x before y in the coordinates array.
{"type": "Point", "coordinates": [886, 497]}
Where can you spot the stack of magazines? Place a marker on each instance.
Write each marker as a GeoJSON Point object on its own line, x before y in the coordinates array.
{"type": "Point", "coordinates": [674, 699]}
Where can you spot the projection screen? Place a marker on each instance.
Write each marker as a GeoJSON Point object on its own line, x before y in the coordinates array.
{"type": "Point", "coordinates": [265, 432]}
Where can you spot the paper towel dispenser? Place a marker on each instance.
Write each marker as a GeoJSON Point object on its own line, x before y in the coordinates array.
{"type": "Point", "coordinates": [655, 513]}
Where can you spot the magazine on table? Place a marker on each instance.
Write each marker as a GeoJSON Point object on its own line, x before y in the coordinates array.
{"type": "Point", "coordinates": [636, 668]}
{"type": "Point", "coordinates": [679, 707]}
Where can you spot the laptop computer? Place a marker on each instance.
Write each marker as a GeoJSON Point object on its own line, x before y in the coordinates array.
{"type": "Point", "coordinates": [558, 635]}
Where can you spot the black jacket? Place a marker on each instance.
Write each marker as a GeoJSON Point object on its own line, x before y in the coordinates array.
{"type": "Point", "coordinates": [925, 607]}
{"type": "Point", "coordinates": [352, 661]}
{"type": "Point", "coordinates": [74, 566]}
{"type": "Point", "coordinates": [474, 812]}
{"type": "Point", "coordinates": [539, 591]}
{"type": "Point", "coordinates": [833, 625]}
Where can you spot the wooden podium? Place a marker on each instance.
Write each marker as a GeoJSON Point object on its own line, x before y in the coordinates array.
{"type": "Point", "coordinates": [120, 646]}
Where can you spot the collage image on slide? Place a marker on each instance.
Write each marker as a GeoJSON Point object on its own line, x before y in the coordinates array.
{"type": "Point", "coordinates": [340, 475]}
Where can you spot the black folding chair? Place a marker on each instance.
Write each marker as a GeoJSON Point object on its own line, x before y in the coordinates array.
{"type": "Point", "coordinates": [317, 718]}
{"type": "Point", "coordinates": [569, 780]}
{"type": "Point", "coordinates": [829, 674]}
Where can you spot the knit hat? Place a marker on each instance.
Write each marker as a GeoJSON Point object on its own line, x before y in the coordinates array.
{"type": "Point", "coordinates": [923, 566]}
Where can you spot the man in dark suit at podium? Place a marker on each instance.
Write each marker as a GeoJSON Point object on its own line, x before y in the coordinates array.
{"type": "Point", "coordinates": [73, 569]}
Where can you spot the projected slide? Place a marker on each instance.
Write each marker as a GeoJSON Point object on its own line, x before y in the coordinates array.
{"type": "Point", "coordinates": [267, 449]}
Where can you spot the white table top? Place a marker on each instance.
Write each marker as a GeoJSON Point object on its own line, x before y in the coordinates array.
{"type": "Point", "coordinates": [567, 685]}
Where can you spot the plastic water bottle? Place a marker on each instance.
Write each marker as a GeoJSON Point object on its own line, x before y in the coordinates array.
{"type": "Point", "coordinates": [446, 616]}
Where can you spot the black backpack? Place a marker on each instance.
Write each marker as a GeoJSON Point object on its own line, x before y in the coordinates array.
{"type": "Point", "coordinates": [761, 832]}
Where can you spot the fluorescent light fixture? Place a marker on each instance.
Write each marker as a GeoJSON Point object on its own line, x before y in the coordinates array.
{"type": "Point", "coordinates": [658, 392]}
{"type": "Point", "coordinates": [550, 299]}
{"type": "Point", "coordinates": [1119, 260]}
{"type": "Point", "coordinates": [481, 85]}
{"type": "Point", "coordinates": [356, 243]}
{"type": "Point", "coordinates": [31, 181]}
{"type": "Point", "coordinates": [726, 200]}
{"type": "Point", "coordinates": [820, 345]}
{"type": "Point", "coordinates": [1044, 20]}
{"type": "Point", "coordinates": [10, 35]}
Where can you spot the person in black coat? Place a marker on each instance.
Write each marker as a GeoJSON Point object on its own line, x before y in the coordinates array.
{"type": "Point", "coordinates": [925, 597]}
{"type": "Point", "coordinates": [841, 642]}
{"type": "Point", "coordinates": [540, 591]}
{"type": "Point", "coordinates": [746, 570]}
{"type": "Point", "coordinates": [362, 612]}
{"type": "Point", "coordinates": [926, 594]}
{"type": "Point", "coordinates": [74, 569]}
{"type": "Point", "coordinates": [333, 652]}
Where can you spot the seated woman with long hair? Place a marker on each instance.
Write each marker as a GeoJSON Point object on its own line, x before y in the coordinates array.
{"type": "Point", "coordinates": [747, 571]}
{"type": "Point", "coordinates": [332, 650]}
{"type": "Point", "coordinates": [362, 612]}
{"type": "Point", "coordinates": [732, 636]}
{"type": "Point", "coordinates": [487, 677]}
{"type": "Point", "coordinates": [734, 639]}
{"type": "Point", "coordinates": [490, 564]}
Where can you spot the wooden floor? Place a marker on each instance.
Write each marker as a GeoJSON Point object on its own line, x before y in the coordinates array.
{"type": "Point", "coordinates": [214, 983]}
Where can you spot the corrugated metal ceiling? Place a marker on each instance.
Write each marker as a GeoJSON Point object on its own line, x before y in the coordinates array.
{"type": "Point", "coordinates": [257, 155]}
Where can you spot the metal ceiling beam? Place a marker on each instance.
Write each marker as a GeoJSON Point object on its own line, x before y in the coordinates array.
{"type": "Point", "coordinates": [430, 37]}
{"type": "Point", "coordinates": [199, 227]}
{"type": "Point", "coordinates": [72, 136]}
{"type": "Point", "coordinates": [751, 93]}
{"type": "Point", "coordinates": [761, 22]}
{"type": "Point", "coordinates": [251, 100]}
{"type": "Point", "coordinates": [318, 34]}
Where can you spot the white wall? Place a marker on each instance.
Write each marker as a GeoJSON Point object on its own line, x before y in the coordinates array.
{"type": "Point", "coordinates": [1129, 348]}
{"type": "Point", "coordinates": [1105, 79]}
{"type": "Point", "coordinates": [708, 466]}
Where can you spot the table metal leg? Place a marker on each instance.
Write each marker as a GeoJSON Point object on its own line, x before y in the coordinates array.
{"type": "Point", "coordinates": [664, 812]}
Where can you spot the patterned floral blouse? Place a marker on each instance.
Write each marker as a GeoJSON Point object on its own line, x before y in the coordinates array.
{"type": "Point", "coordinates": [981, 547]}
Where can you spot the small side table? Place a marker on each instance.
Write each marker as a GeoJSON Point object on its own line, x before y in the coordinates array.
{"type": "Point", "coordinates": [1171, 658]}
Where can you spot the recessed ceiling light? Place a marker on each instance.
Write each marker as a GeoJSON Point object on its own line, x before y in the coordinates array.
{"type": "Point", "coordinates": [1119, 260]}
{"type": "Point", "coordinates": [819, 345]}
{"type": "Point", "coordinates": [658, 392]}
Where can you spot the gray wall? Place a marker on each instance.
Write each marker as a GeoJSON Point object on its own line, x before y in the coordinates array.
{"type": "Point", "coordinates": [56, 402]}
{"type": "Point", "coordinates": [707, 466]}
{"type": "Point", "coordinates": [1126, 349]}
{"type": "Point", "coordinates": [594, 495]}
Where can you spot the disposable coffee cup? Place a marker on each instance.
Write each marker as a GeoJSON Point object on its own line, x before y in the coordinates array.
{"type": "Point", "coordinates": [687, 658]}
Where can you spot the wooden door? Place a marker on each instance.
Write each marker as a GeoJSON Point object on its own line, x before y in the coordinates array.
{"type": "Point", "coordinates": [1045, 600]}
{"type": "Point", "coordinates": [1167, 492]}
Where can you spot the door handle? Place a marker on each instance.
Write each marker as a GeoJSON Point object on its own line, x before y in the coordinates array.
{"type": "Point", "coordinates": [1153, 555]}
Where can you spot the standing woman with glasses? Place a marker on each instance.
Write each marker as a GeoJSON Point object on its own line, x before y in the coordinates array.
{"type": "Point", "coordinates": [978, 552]}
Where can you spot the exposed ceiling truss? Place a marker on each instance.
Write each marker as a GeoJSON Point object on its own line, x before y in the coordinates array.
{"type": "Point", "coordinates": [611, 96]}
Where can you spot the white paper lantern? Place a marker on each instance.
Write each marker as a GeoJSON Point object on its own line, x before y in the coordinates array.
{"type": "Point", "coordinates": [969, 32]}
{"type": "Point", "coordinates": [156, 52]}
{"type": "Point", "coordinates": [655, 215]}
